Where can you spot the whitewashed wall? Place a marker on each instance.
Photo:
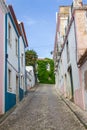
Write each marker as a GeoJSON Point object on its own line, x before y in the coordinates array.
{"type": "Point", "coordinates": [63, 78]}
{"type": "Point", "coordinates": [73, 62]}
{"type": "Point", "coordinates": [31, 77]}
{"type": "Point", "coordinates": [83, 69]}
{"type": "Point", "coordinates": [2, 59]}
{"type": "Point", "coordinates": [22, 67]}
{"type": "Point", "coordinates": [12, 57]}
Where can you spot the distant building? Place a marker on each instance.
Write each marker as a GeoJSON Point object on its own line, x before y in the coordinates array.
{"type": "Point", "coordinates": [23, 43]}
{"type": "Point", "coordinates": [48, 67]}
{"type": "Point", "coordinates": [70, 52]}
{"type": "Point", "coordinates": [30, 77]}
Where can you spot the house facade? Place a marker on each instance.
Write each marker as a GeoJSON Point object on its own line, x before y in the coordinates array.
{"type": "Point", "coordinates": [3, 11]}
{"type": "Point", "coordinates": [12, 60]}
{"type": "Point", "coordinates": [30, 77]}
{"type": "Point", "coordinates": [23, 43]}
{"type": "Point", "coordinates": [15, 44]}
{"type": "Point", "coordinates": [70, 46]}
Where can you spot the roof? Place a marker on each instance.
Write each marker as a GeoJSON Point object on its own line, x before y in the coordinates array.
{"type": "Point", "coordinates": [14, 18]}
{"type": "Point", "coordinates": [23, 34]}
{"type": "Point", "coordinates": [41, 59]}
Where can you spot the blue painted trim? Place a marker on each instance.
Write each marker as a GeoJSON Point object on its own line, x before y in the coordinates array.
{"type": "Point", "coordinates": [10, 101]}
{"type": "Point", "coordinates": [13, 24]}
{"type": "Point", "coordinates": [10, 98]}
{"type": "Point", "coordinates": [21, 91]}
{"type": "Point", "coordinates": [24, 42]}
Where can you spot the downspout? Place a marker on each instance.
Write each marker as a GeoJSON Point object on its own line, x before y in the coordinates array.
{"type": "Point", "coordinates": [75, 39]}
{"type": "Point", "coordinates": [25, 71]}
{"type": "Point", "coordinates": [19, 68]}
{"type": "Point", "coordinates": [24, 85]}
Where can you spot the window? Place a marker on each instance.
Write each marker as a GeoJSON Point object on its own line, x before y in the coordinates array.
{"type": "Point", "coordinates": [67, 51]}
{"type": "Point", "coordinates": [16, 81]}
{"type": "Point", "coordinates": [21, 80]}
{"type": "Point", "coordinates": [86, 21]}
{"type": "Point", "coordinates": [16, 47]}
{"type": "Point", "coordinates": [86, 14]}
{"type": "Point", "coordinates": [22, 58]}
{"type": "Point", "coordinates": [85, 79]}
{"type": "Point", "coordinates": [9, 34]}
{"type": "Point", "coordinates": [48, 67]}
{"type": "Point", "coordinates": [9, 79]}
{"type": "Point", "coordinates": [17, 89]}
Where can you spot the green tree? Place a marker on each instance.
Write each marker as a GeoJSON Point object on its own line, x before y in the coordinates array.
{"type": "Point", "coordinates": [30, 58]}
{"type": "Point", "coordinates": [44, 75]}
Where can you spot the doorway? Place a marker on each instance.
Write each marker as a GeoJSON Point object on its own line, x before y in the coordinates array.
{"type": "Point", "coordinates": [71, 83]}
{"type": "Point", "coordinates": [17, 90]}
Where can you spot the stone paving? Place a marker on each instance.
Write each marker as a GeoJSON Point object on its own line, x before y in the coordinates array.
{"type": "Point", "coordinates": [42, 110]}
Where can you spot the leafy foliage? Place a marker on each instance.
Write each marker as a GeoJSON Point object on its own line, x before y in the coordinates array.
{"type": "Point", "coordinates": [30, 58]}
{"type": "Point", "coordinates": [44, 75]}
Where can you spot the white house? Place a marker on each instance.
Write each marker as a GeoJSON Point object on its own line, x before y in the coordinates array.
{"type": "Point", "coordinates": [12, 59]}
{"type": "Point", "coordinates": [23, 43]}
{"type": "Point", "coordinates": [15, 45]}
{"type": "Point", "coordinates": [30, 77]}
{"type": "Point", "coordinates": [69, 50]}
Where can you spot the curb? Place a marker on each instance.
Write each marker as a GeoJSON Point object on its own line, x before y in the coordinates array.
{"type": "Point", "coordinates": [4, 116]}
{"type": "Point", "coordinates": [7, 114]}
{"type": "Point", "coordinates": [79, 113]}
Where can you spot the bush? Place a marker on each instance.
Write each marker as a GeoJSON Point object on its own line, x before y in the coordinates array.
{"type": "Point", "coordinates": [44, 75]}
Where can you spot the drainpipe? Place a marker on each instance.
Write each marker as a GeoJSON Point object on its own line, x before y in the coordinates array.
{"type": "Point", "coordinates": [75, 39]}
{"type": "Point", "coordinates": [18, 70]}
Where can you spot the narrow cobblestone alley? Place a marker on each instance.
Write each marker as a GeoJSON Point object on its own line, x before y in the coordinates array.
{"type": "Point", "coordinates": [42, 110]}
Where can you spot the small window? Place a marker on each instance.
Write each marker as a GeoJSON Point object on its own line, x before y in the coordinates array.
{"type": "Point", "coordinates": [85, 79]}
{"type": "Point", "coordinates": [22, 55]}
{"type": "Point", "coordinates": [16, 47]}
{"type": "Point", "coordinates": [16, 81]}
{"type": "Point", "coordinates": [48, 67]}
{"type": "Point", "coordinates": [9, 79]}
{"type": "Point", "coordinates": [9, 34]}
{"type": "Point", "coordinates": [67, 51]}
{"type": "Point", "coordinates": [86, 14]}
{"type": "Point", "coordinates": [21, 80]}
{"type": "Point", "coordinates": [86, 21]}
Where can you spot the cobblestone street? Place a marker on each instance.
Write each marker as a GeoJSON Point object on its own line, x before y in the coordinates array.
{"type": "Point", "coordinates": [42, 110]}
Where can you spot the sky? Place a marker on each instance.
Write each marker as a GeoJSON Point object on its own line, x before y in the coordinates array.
{"type": "Point", "coordinates": [39, 18]}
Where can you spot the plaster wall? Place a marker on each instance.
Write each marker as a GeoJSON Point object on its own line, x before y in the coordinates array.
{"type": "Point", "coordinates": [2, 60]}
